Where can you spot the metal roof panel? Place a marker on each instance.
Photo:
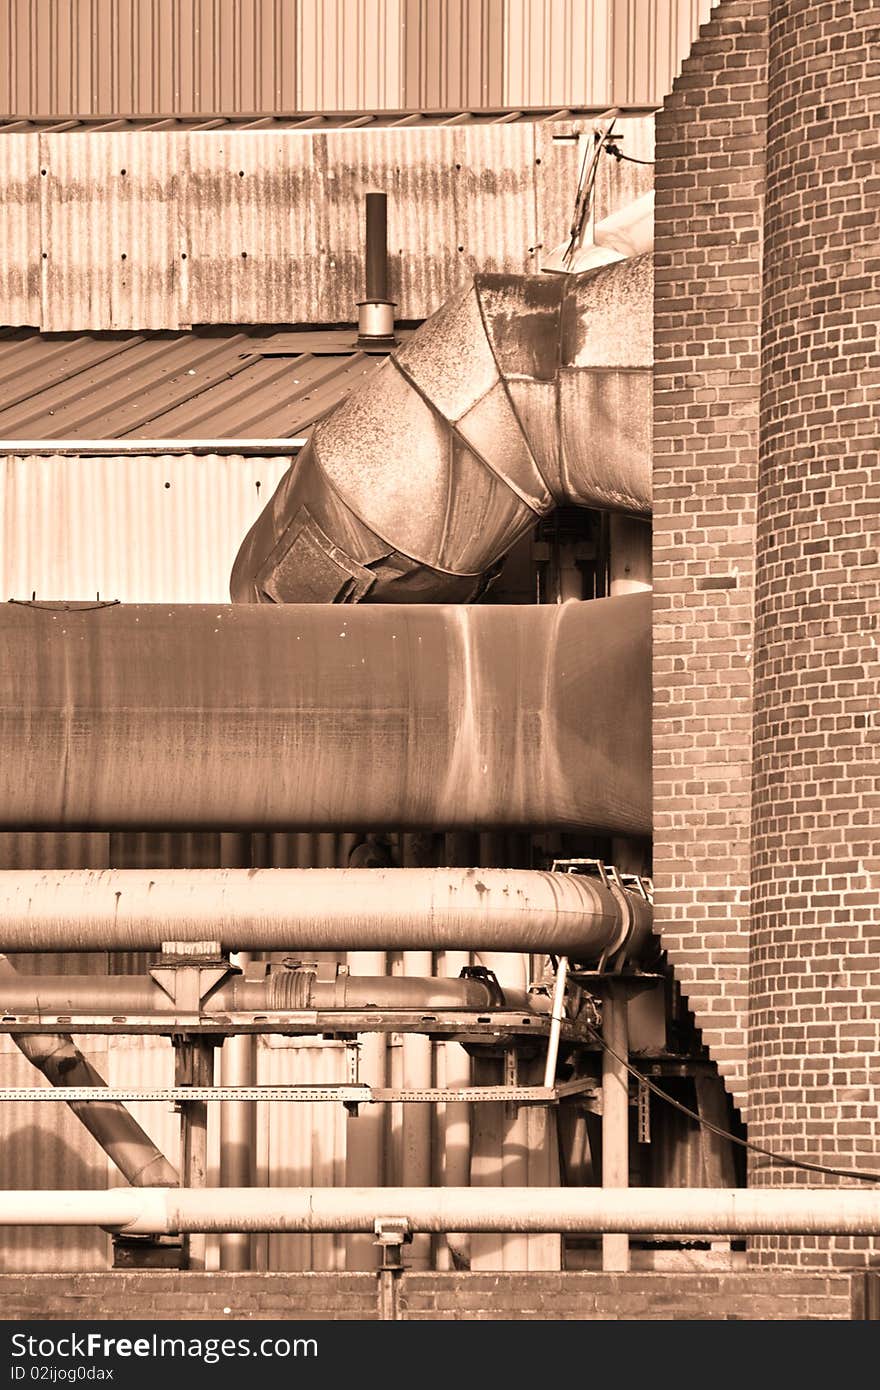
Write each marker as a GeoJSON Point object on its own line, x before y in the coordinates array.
{"type": "Point", "coordinates": [220, 383]}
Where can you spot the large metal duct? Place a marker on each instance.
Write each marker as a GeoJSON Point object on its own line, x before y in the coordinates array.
{"type": "Point", "coordinates": [306, 718]}
{"type": "Point", "coordinates": [521, 393]}
{"type": "Point", "coordinates": [638, 1210]}
{"type": "Point", "coordinates": [321, 910]}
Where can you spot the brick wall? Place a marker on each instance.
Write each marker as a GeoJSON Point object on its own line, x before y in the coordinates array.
{"type": "Point", "coordinates": [709, 189]}
{"type": "Point", "coordinates": [589, 1296]}
{"type": "Point", "coordinates": [815, 1082]}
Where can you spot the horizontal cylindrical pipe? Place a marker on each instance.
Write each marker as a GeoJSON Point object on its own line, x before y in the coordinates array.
{"type": "Point", "coordinates": [283, 990]}
{"type": "Point", "coordinates": [519, 394]}
{"type": "Point", "coordinates": [311, 717]}
{"type": "Point", "coordinates": [656, 1210]}
{"type": "Point", "coordinates": [319, 910]}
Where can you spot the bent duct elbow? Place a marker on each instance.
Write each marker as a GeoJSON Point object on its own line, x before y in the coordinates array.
{"type": "Point", "coordinates": [520, 394]}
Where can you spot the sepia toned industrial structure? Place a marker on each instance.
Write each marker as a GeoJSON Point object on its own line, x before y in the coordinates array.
{"type": "Point", "coordinates": [440, 519]}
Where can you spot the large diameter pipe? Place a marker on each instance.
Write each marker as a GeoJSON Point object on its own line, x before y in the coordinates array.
{"type": "Point", "coordinates": [655, 1210]}
{"type": "Point", "coordinates": [519, 394]}
{"type": "Point", "coordinates": [310, 717]}
{"type": "Point", "coordinates": [319, 910]}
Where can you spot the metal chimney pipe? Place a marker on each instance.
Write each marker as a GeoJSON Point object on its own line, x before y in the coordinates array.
{"type": "Point", "coordinates": [376, 311]}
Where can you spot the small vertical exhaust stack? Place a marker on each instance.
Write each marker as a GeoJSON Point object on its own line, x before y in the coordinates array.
{"type": "Point", "coordinates": [376, 311]}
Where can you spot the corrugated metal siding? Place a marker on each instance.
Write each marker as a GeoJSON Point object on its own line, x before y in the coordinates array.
{"type": "Point", "coordinates": [147, 542]}
{"type": "Point", "coordinates": [608, 52]}
{"type": "Point", "coordinates": [454, 53]}
{"type": "Point", "coordinates": [110, 243]}
{"type": "Point", "coordinates": [271, 223]}
{"type": "Point", "coordinates": [301, 1145]}
{"type": "Point", "coordinates": [112, 57]}
{"type": "Point", "coordinates": [255, 228]}
{"type": "Point", "coordinates": [649, 41]}
{"type": "Point", "coordinates": [349, 55]}
{"type": "Point", "coordinates": [45, 1146]}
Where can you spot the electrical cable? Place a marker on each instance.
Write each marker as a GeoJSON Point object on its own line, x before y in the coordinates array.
{"type": "Point", "coordinates": [783, 1159]}
{"type": "Point", "coordinates": [618, 154]}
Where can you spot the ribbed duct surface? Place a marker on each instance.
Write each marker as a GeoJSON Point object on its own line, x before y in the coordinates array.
{"type": "Point", "coordinates": [521, 393]}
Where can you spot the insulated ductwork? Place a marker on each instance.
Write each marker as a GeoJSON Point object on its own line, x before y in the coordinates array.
{"type": "Point", "coordinates": [522, 393]}
{"type": "Point", "coordinates": [305, 718]}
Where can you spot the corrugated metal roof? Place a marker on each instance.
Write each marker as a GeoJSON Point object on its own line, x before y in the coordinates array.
{"type": "Point", "coordinates": [314, 120]}
{"type": "Point", "coordinates": [217, 384]}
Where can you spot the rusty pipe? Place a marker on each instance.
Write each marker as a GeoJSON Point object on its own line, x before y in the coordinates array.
{"type": "Point", "coordinates": [320, 910]}
{"type": "Point", "coordinates": [308, 718]}
{"type": "Point", "coordinates": [281, 991]}
{"type": "Point", "coordinates": [662, 1210]}
{"type": "Point", "coordinates": [120, 1136]}
{"type": "Point", "coordinates": [521, 393]}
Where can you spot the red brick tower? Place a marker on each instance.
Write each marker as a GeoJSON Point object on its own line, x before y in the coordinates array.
{"type": "Point", "coordinates": [815, 971]}
{"type": "Point", "coordinates": [767, 586]}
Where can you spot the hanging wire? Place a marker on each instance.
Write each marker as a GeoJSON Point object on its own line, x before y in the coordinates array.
{"type": "Point", "coordinates": [785, 1160]}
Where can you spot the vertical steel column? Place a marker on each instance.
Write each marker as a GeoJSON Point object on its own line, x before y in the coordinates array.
{"type": "Point", "coordinates": [455, 1127]}
{"type": "Point", "coordinates": [238, 1067]}
{"type": "Point", "coordinates": [615, 1117]}
{"type": "Point", "coordinates": [194, 1066]}
{"type": "Point", "coordinates": [365, 1131]}
{"type": "Point", "coordinates": [419, 851]}
{"type": "Point", "coordinates": [238, 1128]}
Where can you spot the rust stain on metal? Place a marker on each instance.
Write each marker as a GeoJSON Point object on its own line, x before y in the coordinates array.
{"type": "Point", "coordinates": [550, 706]}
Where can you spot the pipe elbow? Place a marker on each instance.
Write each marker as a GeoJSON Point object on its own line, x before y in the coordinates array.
{"type": "Point", "coordinates": [520, 393]}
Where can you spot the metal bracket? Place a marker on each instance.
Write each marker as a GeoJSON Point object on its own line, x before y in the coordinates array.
{"type": "Point", "coordinates": [189, 972]}
{"type": "Point", "coordinates": [392, 1232]}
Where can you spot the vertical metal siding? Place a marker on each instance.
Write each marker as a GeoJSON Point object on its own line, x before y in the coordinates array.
{"type": "Point", "coordinates": [601, 53]}
{"type": "Point", "coordinates": [111, 57]}
{"type": "Point", "coordinates": [256, 228]}
{"type": "Point", "coordinates": [301, 1144]}
{"type": "Point", "coordinates": [349, 55]}
{"type": "Point", "coordinates": [20, 228]}
{"type": "Point", "coordinates": [453, 54]}
{"type": "Point", "coordinates": [223, 57]}
{"type": "Point", "coordinates": [147, 542]}
{"type": "Point", "coordinates": [265, 226]}
{"type": "Point", "coordinates": [110, 253]}
{"type": "Point", "coordinates": [45, 1146]}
